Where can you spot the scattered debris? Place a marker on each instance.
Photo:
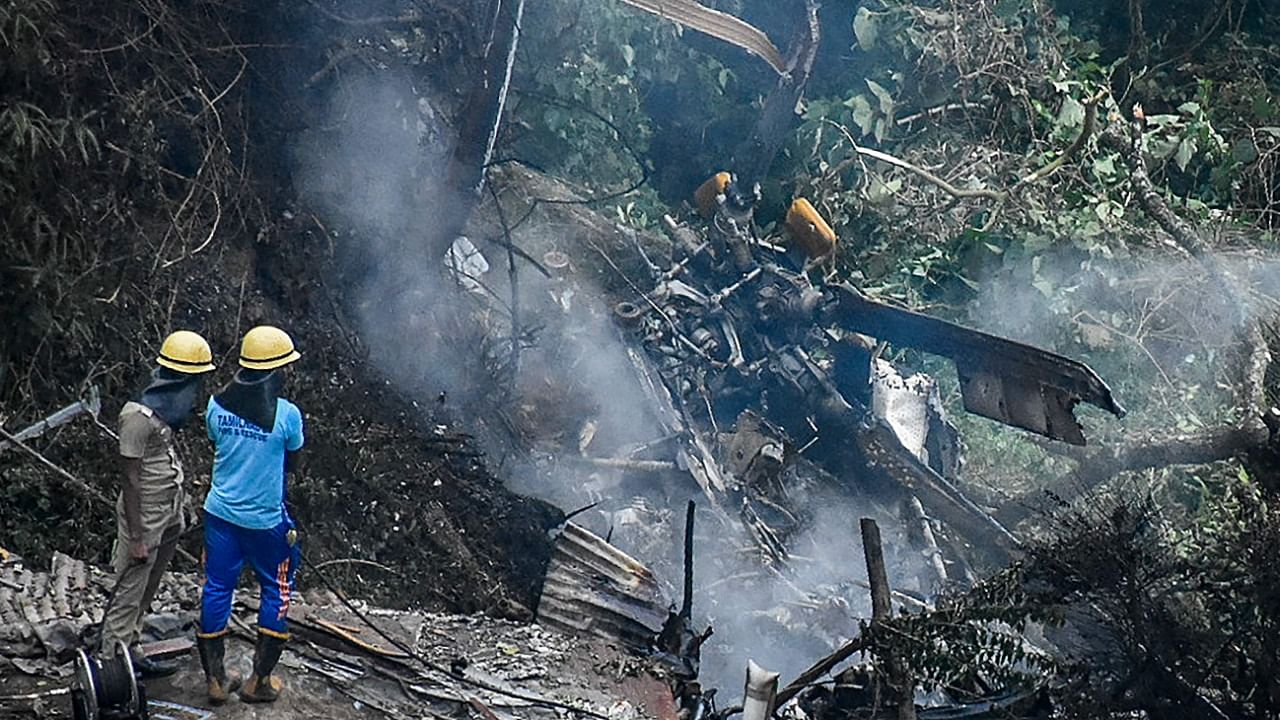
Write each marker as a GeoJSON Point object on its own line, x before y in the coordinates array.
{"type": "Point", "coordinates": [596, 589]}
{"type": "Point", "coordinates": [335, 660]}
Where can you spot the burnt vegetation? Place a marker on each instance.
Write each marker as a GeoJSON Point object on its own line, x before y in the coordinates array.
{"type": "Point", "coordinates": [1096, 178]}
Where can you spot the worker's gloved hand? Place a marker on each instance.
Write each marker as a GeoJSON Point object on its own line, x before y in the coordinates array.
{"type": "Point", "coordinates": [291, 537]}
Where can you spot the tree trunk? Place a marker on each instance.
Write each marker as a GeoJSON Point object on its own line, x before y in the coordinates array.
{"type": "Point", "coordinates": [752, 159]}
{"type": "Point", "coordinates": [899, 674]}
{"type": "Point", "coordinates": [480, 122]}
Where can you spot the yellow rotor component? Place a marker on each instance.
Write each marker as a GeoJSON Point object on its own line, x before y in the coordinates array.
{"type": "Point", "coordinates": [809, 231]}
{"type": "Point", "coordinates": [705, 196]}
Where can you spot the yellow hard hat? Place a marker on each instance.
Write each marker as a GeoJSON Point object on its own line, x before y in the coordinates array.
{"type": "Point", "coordinates": [267, 348]}
{"type": "Point", "coordinates": [186, 352]}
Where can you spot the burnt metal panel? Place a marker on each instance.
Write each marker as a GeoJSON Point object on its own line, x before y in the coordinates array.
{"type": "Point", "coordinates": [593, 588]}
{"type": "Point", "coordinates": [1007, 381]}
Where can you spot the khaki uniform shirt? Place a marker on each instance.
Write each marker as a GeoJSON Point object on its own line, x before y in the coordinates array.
{"type": "Point", "coordinates": [145, 436]}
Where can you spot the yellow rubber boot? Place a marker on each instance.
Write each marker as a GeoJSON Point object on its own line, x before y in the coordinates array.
{"type": "Point", "coordinates": [212, 655]}
{"type": "Point", "coordinates": [262, 687]}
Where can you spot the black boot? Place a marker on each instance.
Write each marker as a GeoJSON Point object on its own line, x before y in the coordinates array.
{"type": "Point", "coordinates": [261, 687]}
{"type": "Point", "coordinates": [212, 652]}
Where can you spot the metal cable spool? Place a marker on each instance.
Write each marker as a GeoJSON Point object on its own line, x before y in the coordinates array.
{"type": "Point", "coordinates": [107, 688]}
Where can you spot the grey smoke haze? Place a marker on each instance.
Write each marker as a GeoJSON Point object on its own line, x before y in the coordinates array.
{"type": "Point", "coordinates": [1154, 325]}
{"type": "Point", "coordinates": [373, 174]}
{"type": "Point", "coordinates": [375, 170]}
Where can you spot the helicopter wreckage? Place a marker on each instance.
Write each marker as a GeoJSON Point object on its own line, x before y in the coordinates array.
{"type": "Point", "coordinates": [767, 381]}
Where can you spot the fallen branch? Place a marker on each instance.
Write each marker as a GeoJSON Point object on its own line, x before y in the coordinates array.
{"type": "Point", "coordinates": [1090, 118]}
{"type": "Point", "coordinates": [1196, 449]}
{"type": "Point", "coordinates": [356, 561]}
{"type": "Point", "coordinates": [899, 674]}
{"type": "Point", "coordinates": [1130, 151]}
{"type": "Point", "coordinates": [884, 157]}
{"type": "Point", "coordinates": [820, 668]}
{"type": "Point", "coordinates": [718, 25]}
{"type": "Point", "coordinates": [999, 196]}
{"type": "Point", "coordinates": [777, 118]}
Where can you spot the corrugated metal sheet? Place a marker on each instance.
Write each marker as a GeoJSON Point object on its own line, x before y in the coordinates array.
{"type": "Point", "coordinates": [593, 588]}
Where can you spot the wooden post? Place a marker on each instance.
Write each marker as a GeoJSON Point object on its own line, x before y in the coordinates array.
{"type": "Point", "coordinates": [899, 677]}
{"type": "Point", "coordinates": [686, 606]}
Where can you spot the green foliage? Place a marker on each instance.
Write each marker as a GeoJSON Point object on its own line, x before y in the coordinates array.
{"type": "Point", "coordinates": [607, 81]}
{"type": "Point", "coordinates": [974, 639]}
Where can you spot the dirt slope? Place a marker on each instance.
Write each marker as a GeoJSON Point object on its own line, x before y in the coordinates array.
{"type": "Point", "coordinates": [179, 214]}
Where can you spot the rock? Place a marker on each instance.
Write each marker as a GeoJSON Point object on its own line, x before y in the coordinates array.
{"type": "Point", "coordinates": [60, 638]}
{"type": "Point", "coordinates": [163, 626]}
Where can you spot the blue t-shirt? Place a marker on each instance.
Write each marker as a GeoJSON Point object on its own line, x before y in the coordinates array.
{"type": "Point", "coordinates": [248, 464]}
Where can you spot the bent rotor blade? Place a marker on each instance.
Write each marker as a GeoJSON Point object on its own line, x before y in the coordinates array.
{"type": "Point", "coordinates": [1007, 381]}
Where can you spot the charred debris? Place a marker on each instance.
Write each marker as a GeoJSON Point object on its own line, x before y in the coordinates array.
{"type": "Point", "coordinates": [772, 393]}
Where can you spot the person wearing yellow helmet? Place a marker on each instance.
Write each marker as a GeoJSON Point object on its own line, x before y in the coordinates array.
{"type": "Point", "coordinates": [256, 435]}
{"type": "Point", "coordinates": [149, 509]}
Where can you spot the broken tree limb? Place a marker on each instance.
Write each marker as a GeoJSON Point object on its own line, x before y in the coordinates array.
{"type": "Point", "coordinates": [686, 605]}
{"type": "Point", "coordinates": [752, 159]}
{"type": "Point", "coordinates": [1086, 129]}
{"type": "Point", "coordinates": [1224, 443]}
{"type": "Point", "coordinates": [941, 184]}
{"type": "Point", "coordinates": [90, 404]}
{"type": "Point", "coordinates": [481, 120]}
{"type": "Point", "coordinates": [921, 532]}
{"type": "Point", "coordinates": [816, 671]}
{"type": "Point", "coordinates": [899, 675]}
{"type": "Point", "coordinates": [1130, 150]}
{"type": "Point", "coordinates": [1244, 441]}
{"type": "Point", "coordinates": [999, 196]}
{"type": "Point", "coordinates": [719, 25]}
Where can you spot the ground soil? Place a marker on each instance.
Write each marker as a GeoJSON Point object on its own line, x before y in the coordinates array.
{"type": "Point", "coordinates": [388, 478]}
{"type": "Point", "coordinates": [383, 481]}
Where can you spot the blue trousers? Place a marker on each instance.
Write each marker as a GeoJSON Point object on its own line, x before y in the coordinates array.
{"type": "Point", "coordinates": [274, 562]}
